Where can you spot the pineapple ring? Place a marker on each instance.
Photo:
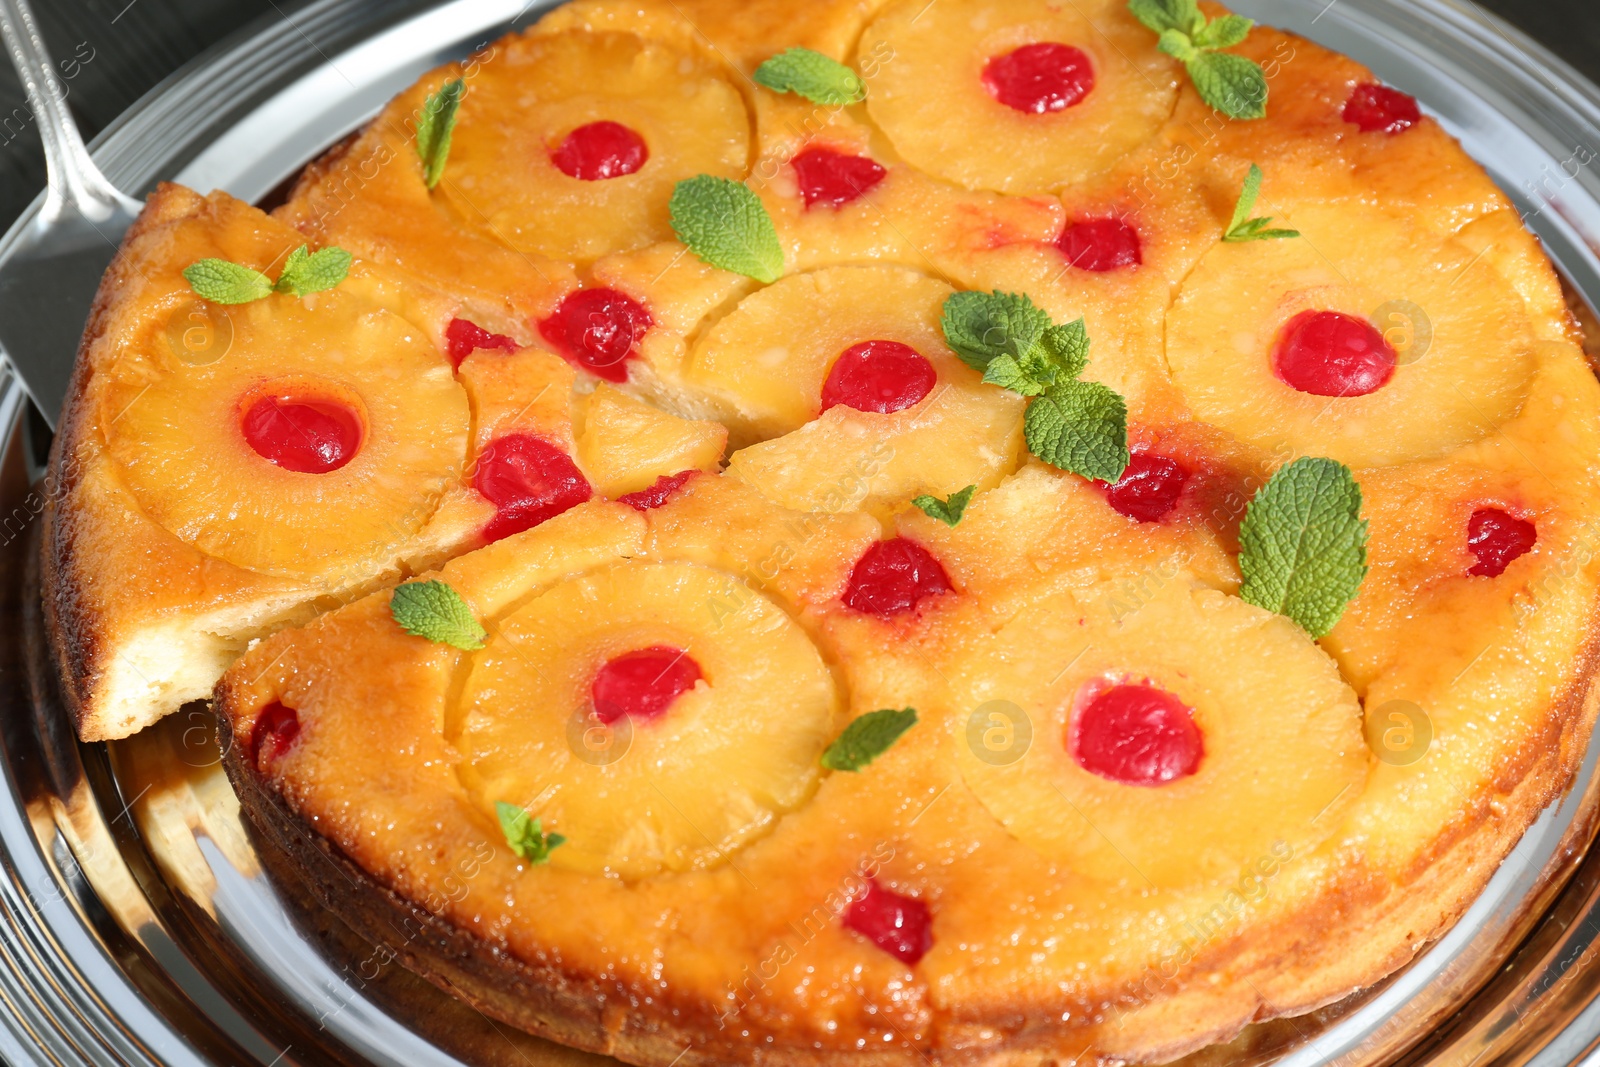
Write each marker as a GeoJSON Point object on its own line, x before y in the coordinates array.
{"type": "Point", "coordinates": [766, 363]}
{"type": "Point", "coordinates": [1468, 366]}
{"type": "Point", "coordinates": [518, 109]}
{"type": "Point", "coordinates": [1284, 753]}
{"type": "Point", "coordinates": [931, 101]}
{"type": "Point", "coordinates": [678, 792]}
{"type": "Point", "coordinates": [176, 435]}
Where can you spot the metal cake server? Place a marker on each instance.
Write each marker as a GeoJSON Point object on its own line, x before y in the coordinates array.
{"type": "Point", "coordinates": [51, 264]}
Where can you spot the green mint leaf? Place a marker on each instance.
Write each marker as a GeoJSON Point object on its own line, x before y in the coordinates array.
{"type": "Point", "coordinates": [313, 273]}
{"type": "Point", "coordinates": [524, 834]}
{"type": "Point", "coordinates": [222, 282]}
{"type": "Point", "coordinates": [726, 225]}
{"type": "Point", "coordinates": [1230, 84]}
{"type": "Point", "coordinates": [1080, 427]}
{"type": "Point", "coordinates": [435, 126]}
{"type": "Point", "coordinates": [1159, 16]}
{"type": "Point", "coordinates": [867, 738]}
{"type": "Point", "coordinates": [1303, 544]}
{"type": "Point", "coordinates": [982, 327]}
{"type": "Point", "coordinates": [1030, 375]}
{"type": "Point", "coordinates": [437, 612]}
{"type": "Point", "coordinates": [949, 511]}
{"type": "Point", "coordinates": [1178, 45]}
{"type": "Point", "coordinates": [812, 75]}
{"type": "Point", "coordinates": [1224, 32]}
{"type": "Point", "coordinates": [1068, 347]}
{"type": "Point", "coordinates": [1244, 228]}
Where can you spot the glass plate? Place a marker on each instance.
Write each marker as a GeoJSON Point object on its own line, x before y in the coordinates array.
{"type": "Point", "coordinates": [137, 925]}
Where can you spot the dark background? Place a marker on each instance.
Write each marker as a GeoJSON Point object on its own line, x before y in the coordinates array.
{"type": "Point", "coordinates": [124, 47]}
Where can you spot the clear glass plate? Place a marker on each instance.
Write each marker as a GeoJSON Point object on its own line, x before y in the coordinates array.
{"type": "Point", "coordinates": [136, 923]}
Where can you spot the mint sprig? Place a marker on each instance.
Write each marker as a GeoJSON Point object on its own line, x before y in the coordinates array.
{"type": "Point", "coordinates": [1244, 228]}
{"type": "Point", "coordinates": [1072, 425]}
{"type": "Point", "coordinates": [524, 834]}
{"type": "Point", "coordinates": [436, 611]}
{"type": "Point", "coordinates": [222, 281]}
{"type": "Point", "coordinates": [726, 225]}
{"type": "Point", "coordinates": [435, 126]}
{"type": "Point", "coordinates": [867, 738]}
{"type": "Point", "coordinates": [948, 511]}
{"type": "Point", "coordinates": [1303, 544]}
{"type": "Point", "coordinates": [1231, 84]}
{"type": "Point", "coordinates": [812, 75]}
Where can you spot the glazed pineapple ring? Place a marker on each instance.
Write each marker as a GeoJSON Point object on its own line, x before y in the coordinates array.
{"type": "Point", "coordinates": [1460, 342]}
{"type": "Point", "coordinates": [626, 118]}
{"type": "Point", "coordinates": [1211, 767]}
{"type": "Point", "coordinates": [755, 705]}
{"type": "Point", "coordinates": [958, 98]}
{"type": "Point", "coordinates": [177, 433]}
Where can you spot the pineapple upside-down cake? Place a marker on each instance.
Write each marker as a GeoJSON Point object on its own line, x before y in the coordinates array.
{"type": "Point", "coordinates": [869, 530]}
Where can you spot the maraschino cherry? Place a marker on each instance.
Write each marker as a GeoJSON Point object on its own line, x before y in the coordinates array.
{"type": "Point", "coordinates": [529, 480]}
{"type": "Point", "coordinates": [1149, 487]}
{"type": "Point", "coordinates": [643, 684]}
{"type": "Point", "coordinates": [599, 151]}
{"type": "Point", "coordinates": [275, 730]}
{"type": "Point", "coordinates": [463, 337]}
{"type": "Point", "coordinates": [1134, 734]}
{"type": "Point", "coordinates": [597, 329]}
{"type": "Point", "coordinates": [1039, 78]}
{"type": "Point", "coordinates": [307, 436]}
{"type": "Point", "coordinates": [833, 179]}
{"type": "Point", "coordinates": [1497, 538]}
{"type": "Point", "coordinates": [1329, 353]}
{"type": "Point", "coordinates": [894, 577]}
{"type": "Point", "coordinates": [658, 493]}
{"type": "Point", "coordinates": [1377, 108]}
{"type": "Point", "coordinates": [896, 923]}
{"type": "Point", "coordinates": [880, 376]}
{"type": "Point", "coordinates": [1100, 244]}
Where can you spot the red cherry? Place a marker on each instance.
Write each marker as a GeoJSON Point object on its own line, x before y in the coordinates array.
{"type": "Point", "coordinates": [1100, 244]}
{"type": "Point", "coordinates": [597, 329]}
{"type": "Point", "coordinates": [1497, 538]}
{"type": "Point", "coordinates": [880, 376]}
{"type": "Point", "coordinates": [275, 730]}
{"type": "Point", "coordinates": [834, 178]}
{"type": "Point", "coordinates": [1377, 107]}
{"type": "Point", "coordinates": [893, 577]}
{"type": "Point", "coordinates": [643, 684]}
{"type": "Point", "coordinates": [1135, 734]}
{"type": "Point", "coordinates": [304, 436]}
{"type": "Point", "coordinates": [900, 925]}
{"type": "Point", "coordinates": [1149, 487]}
{"type": "Point", "coordinates": [657, 494]}
{"type": "Point", "coordinates": [462, 338]}
{"type": "Point", "coordinates": [1039, 78]}
{"type": "Point", "coordinates": [599, 151]}
{"type": "Point", "coordinates": [529, 480]}
{"type": "Point", "coordinates": [1329, 353]}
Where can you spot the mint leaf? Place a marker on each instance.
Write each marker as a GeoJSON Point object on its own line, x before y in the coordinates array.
{"type": "Point", "coordinates": [1178, 45]}
{"type": "Point", "coordinates": [1068, 347]}
{"type": "Point", "coordinates": [1230, 84]}
{"type": "Point", "coordinates": [982, 327]}
{"type": "Point", "coordinates": [223, 282]}
{"type": "Point", "coordinates": [1224, 32]}
{"type": "Point", "coordinates": [322, 269]}
{"type": "Point", "coordinates": [524, 834]}
{"type": "Point", "coordinates": [1303, 544]}
{"type": "Point", "coordinates": [812, 75]}
{"type": "Point", "coordinates": [867, 738]}
{"type": "Point", "coordinates": [949, 511]}
{"type": "Point", "coordinates": [1080, 427]}
{"type": "Point", "coordinates": [435, 126]}
{"type": "Point", "coordinates": [1244, 228]}
{"type": "Point", "coordinates": [726, 225]}
{"type": "Point", "coordinates": [1029, 375]}
{"type": "Point", "coordinates": [437, 612]}
{"type": "Point", "coordinates": [1161, 15]}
